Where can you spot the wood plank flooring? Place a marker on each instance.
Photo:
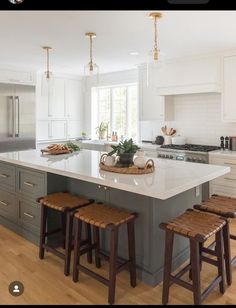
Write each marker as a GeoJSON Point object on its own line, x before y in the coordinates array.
{"type": "Point", "coordinates": [45, 283]}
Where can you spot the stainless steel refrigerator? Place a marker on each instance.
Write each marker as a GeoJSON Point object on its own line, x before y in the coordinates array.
{"type": "Point", "coordinates": [17, 117]}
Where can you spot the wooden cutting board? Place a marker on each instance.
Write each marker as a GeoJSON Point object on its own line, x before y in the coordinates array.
{"type": "Point", "coordinates": [57, 152]}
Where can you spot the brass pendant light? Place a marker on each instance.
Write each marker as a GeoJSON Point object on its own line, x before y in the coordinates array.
{"type": "Point", "coordinates": [48, 79]}
{"type": "Point", "coordinates": [91, 69]}
{"type": "Point", "coordinates": [153, 57]}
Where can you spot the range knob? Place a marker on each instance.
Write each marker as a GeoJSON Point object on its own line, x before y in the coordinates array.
{"type": "Point", "coordinates": [159, 155]}
{"type": "Point", "coordinates": [189, 159]}
{"type": "Point", "coordinates": [171, 157]}
{"type": "Point", "coordinates": [167, 156]}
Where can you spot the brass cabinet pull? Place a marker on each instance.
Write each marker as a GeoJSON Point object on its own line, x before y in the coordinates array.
{"type": "Point", "coordinates": [29, 184]}
{"type": "Point", "coordinates": [3, 203]}
{"type": "Point", "coordinates": [3, 175]}
{"type": "Point", "coordinates": [28, 215]}
{"type": "Point", "coordinates": [105, 188]}
{"type": "Point", "coordinates": [99, 186]}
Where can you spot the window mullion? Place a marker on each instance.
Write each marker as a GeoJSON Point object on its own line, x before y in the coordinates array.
{"type": "Point", "coordinates": [111, 110]}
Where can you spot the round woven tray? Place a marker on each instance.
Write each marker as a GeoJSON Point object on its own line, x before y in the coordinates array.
{"type": "Point", "coordinates": [149, 167]}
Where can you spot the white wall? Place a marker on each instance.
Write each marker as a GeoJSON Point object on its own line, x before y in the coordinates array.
{"type": "Point", "coordinates": [197, 117]}
{"type": "Point", "coordinates": [108, 79]}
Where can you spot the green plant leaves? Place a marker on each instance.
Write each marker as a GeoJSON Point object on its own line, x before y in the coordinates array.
{"type": "Point", "coordinates": [127, 146]}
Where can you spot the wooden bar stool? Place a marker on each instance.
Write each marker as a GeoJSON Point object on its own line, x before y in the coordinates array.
{"type": "Point", "coordinates": [101, 216]}
{"type": "Point", "coordinates": [66, 204]}
{"type": "Point", "coordinates": [225, 207]}
{"type": "Point", "coordinates": [197, 227]}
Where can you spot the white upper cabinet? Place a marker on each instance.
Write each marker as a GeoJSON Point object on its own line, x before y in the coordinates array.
{"type": "Point", "coordinates": [190, 75]}
{"type": "Point", "coordinates": [73, 99]}
{"type": "Point", "coordinates": [229, 89]}
{"type": "Point", "coordinates": [17, 77]}
{"type": "Point", "coordinates": [58, 101]}
{"type": "Point", "coordinates": [152, 106]}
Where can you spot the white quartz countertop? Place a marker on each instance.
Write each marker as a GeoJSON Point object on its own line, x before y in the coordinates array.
{"type": "Point", "coordinates": [169, 179]}
{"type": "Point", "coordinates": [223, 153]}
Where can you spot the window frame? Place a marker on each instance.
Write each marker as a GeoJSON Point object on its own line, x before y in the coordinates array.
{"type": "Point", "coordinates": [111, 103]}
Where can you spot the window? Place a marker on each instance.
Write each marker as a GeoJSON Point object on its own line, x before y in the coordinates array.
{"type": "Point", "coordinates": [117, 105]}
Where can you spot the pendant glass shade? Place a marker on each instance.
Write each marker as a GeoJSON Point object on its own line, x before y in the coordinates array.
{"type": "Point", "coordinates": [91, 69]}
{"type": "Point", "coordinates": [47, 88]}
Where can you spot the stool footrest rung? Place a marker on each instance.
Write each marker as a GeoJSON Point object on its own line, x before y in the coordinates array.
{"type": "Point", "coordinates": [208, 251]}
{"type": "Point", "coordinates": [180, 282]}
{"type": "Point", "coordinates": [54, 251]}
{"type": "Point", "coordinates": [233, 237]}
{"type": "Point", "coordinates": [94, 275]}
{"type": "Point", "coordinates": [208, 260]}
{"type": "Point", "coordinates": [122, 266]}
{"type": "Point", "coordinates": [53, 232]}
{"type": "Point", "coordinates": [213, 284]}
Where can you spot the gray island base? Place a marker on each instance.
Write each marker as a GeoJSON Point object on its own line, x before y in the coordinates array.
{"type": "Point", "coordinates": [158, 197]}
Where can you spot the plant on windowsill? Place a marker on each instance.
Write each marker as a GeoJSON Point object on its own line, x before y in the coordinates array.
{"type": "Point", "coordinates": [125, 150]}
{"type": "Point", "coordinates": [102, 130]}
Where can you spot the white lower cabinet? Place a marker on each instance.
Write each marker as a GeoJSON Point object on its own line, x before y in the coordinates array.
{"type": "Point", "coordinates": [226, 184]}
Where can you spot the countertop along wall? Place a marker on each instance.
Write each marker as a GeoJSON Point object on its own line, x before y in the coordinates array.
{"type": "Point", "coordinates": [197, 117]}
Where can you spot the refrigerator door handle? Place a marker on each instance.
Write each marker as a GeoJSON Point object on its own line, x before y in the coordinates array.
{"type": "Point", "coordinates": [17, 117]}
{"type": "Point", "coordinates": [11, 133]}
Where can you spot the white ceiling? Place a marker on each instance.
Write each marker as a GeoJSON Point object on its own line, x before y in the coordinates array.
{"type": "Point", "coordinates": [180, 33]}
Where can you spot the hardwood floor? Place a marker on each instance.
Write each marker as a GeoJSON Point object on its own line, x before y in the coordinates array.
{"type": "Point", "coordinates": [45, 283]}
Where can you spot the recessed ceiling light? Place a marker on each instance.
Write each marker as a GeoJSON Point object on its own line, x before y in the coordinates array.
{"type": "Point", "coordinates": [134, 53]}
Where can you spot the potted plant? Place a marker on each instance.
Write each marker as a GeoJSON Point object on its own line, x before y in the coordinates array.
{"type": "Point", "coordinates": [125, 150]}
{"type": "Point", "coordinates": [102, 130]}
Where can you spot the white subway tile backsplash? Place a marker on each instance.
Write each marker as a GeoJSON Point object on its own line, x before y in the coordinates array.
{"type": "Point", "coordinates": [197, 117]}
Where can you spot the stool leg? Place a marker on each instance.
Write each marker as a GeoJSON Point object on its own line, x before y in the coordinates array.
{"type": "Point", "coordinates": [88, 237]}
{"type": "Point", "coordinates": [112, 266]}
{"type": "Point", "coordinates": [220, 259]}
{"type": "Point", "coordinates": [131, 243]}
{"type": "Point", "coordinates": [63, 229]}
{"type": "Point", "coordinates": [42, 231]}
{"type": "Point", "coordinates": [97, 248]}
{"type": "Point", "coordinates": [227, 251]}
{"type": "Point", "coordinates": [69, 227]}
{"type": "Point", "coordinates": [167, 266]}
{"type": "Point", "coordinates": [195, 263]}
{"type": "Point", "coordinates": [78, 228]}
{"type": "Point", "coordinates": [200, 260]}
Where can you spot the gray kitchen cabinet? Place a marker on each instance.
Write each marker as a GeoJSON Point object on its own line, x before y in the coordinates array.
{"type": "Point", "coordinates": [29, 215]}
{"type": "Point", "coordinates": [8, 176]}
{"type": "Point", "coordinates": [8, 207]}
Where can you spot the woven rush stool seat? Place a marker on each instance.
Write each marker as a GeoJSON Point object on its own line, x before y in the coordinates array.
{"type": "Point", "coordinates": [226, 207]}
{"type": "Point", "coordinates": [197, 227]}
{"type": "Point", "coordinates": [66, 204]}
{"type": "Point", "coordinates": [101, 216]}
{"type": "Point", "coordinates": [62, 201]}
{"type": "Point", "coordinates": [196, 224]}
{"type": "Point", "coordinates": [220, 205]}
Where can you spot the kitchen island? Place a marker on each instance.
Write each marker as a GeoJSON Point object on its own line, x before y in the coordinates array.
{"type": "Point", "coordinates": [157, 197]}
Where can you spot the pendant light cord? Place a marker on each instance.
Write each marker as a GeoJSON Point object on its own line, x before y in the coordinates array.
{"type": "Point", "coordinates": [48, 75]}
{"type": "Point", "coordinates": [91, 49]}
{"type": "Point", "coordinates": [155, 40]}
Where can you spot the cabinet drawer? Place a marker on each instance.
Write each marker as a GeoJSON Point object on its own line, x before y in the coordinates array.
{"type": "Point", "coordinates": [29, 215]}
{"type": "Point", "coordinates": [8, 207]}
{"type": "Point", "coordinates": [228, 180]}
{"type": "Point", "coordinates": [8, 176]}
{"type": "Point", "coordinates": [31, 183]}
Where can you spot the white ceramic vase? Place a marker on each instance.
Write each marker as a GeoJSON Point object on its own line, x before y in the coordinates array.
{"type": "Point", "coordinates": [140, 160]}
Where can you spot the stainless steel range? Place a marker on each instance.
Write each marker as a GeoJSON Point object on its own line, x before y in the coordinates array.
{"type": "Point", "coordinates": [187, 152]}
{"type": "Point", "coordinates": [191, 153]}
